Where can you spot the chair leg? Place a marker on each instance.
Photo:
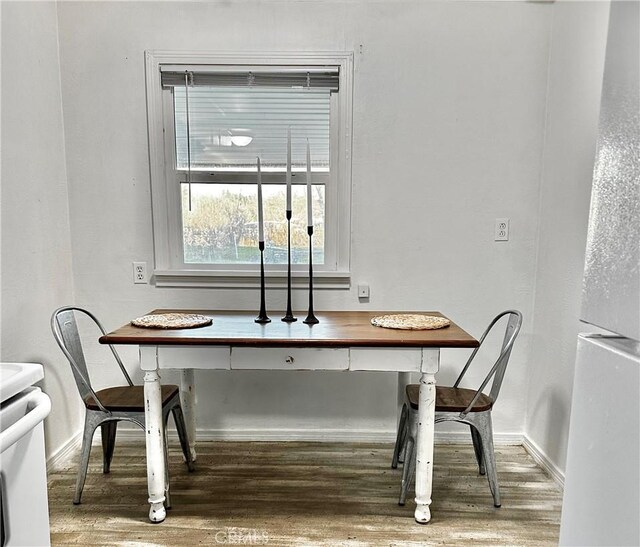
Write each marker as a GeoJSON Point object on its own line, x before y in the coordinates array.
{"type": "Point", "coordinates": [485, 430]}
{"type": "Point", "coordinates": [167, 492]}
{"type": "Point", "coordinates": [90, 425]}
{"type": "Point", "coordinates": [408, 468]}
{"type": "Point", "coordinates": [178, 418]}
{"type": "Point", "coordinates": [402, 455]}
{"type": "Point", "coordinates": [400, 437]}
{"type": "Point", "coordinates": [108, 432]}
{"type": "Point", "coordinates": [477, 448]}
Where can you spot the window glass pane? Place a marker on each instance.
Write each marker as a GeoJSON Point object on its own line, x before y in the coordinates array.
{"type": "Point", "coordinates": [230, 126]}
{"type": "Point", "coordinates": [222, 226]}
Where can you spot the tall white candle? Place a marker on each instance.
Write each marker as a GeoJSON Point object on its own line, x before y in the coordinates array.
{"type": "Point", "coordinates": [260, 214]}
{"type": "Point", "coordinates": [289, 169]}
{"type": "Point", "coordinates": [309, 205]}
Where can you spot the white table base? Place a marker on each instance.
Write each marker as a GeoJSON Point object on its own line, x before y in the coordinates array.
{"type": "Point", "coordinates": [153, 358]}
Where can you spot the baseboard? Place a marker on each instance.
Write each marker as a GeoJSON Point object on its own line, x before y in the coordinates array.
{"type": "Point", "coordinates": [464, 437]}
{"type": "Point", "coordinates": [278, 434]}
{"type": "Point", "coordinates": [60, 457]}
{"type": "Point", "coordinates": [543, 461]}
{"type": "Point", "coordinates": [320, 435]}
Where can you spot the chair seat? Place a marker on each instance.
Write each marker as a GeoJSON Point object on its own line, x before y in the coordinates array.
{"type": "Point", "coordinates": [127, 398]}
{"type": "Point", "coordinates": [451, 399]}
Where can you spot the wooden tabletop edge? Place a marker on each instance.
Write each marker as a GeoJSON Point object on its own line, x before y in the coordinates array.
{"type": "Point", "coordinates": [337, 329]}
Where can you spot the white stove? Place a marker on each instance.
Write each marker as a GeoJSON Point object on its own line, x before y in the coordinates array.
{"type": "Point", "coordinates": [24, 511]}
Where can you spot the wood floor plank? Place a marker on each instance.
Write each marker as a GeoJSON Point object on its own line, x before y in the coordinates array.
{"type": "Point", "coordinates": [304, 494]}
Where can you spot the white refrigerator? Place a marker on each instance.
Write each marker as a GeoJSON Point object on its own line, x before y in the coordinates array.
{"type": "Point", "coordinates": [601, 503]}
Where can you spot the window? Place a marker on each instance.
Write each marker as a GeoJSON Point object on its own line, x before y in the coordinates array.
{"type": "Point", "coordinates": [210, 118]}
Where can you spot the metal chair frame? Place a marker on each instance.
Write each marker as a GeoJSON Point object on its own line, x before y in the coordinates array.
{"type": "Point", "coordinates": [65, 332]}
{"type": "Point", "coordinates": [479, 423]}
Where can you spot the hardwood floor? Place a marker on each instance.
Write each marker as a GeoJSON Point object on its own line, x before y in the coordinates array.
{"type": "Point", "coordinates": [296, 493]}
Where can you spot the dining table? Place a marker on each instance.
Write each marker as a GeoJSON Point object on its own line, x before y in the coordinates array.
{"type": "Point", "coordinates": [343, 341]}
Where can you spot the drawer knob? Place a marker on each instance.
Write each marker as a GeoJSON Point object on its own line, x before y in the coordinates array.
{"type": "Point", "coordinates": [289, 359]}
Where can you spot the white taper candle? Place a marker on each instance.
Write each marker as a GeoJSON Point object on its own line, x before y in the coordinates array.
{"type": "Point", "coordinates": [289, 169]}
{"type": "Point", "coordinates": [260, 214]}
{"type": "Point", "coordinates": [309, 204]}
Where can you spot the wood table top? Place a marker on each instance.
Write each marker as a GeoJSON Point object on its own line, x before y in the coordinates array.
{"type": "Point", "coordinates": [335, 329]}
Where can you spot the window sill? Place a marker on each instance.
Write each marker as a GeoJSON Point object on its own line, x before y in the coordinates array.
{"type": "Point", "coordinates": [249, 280]}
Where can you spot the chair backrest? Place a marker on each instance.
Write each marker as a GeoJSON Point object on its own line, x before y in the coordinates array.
{"type": "Point", "coordinates": [498, 369]}
{"type": "Point", "coordinates": [65, 332]}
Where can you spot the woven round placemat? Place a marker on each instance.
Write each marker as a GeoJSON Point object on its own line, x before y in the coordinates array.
{"type": "Point", "coordinates": [172, 321]}
{"type": "Point", "coordinates": [410, 321]}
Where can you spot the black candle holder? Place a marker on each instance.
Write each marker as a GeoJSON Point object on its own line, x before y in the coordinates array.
{"type": "Point", "coordinates": [289, 318]}
{"type": "Point", "coordinates": [311, 318]}
{"type": "Point", "coordinates": [262, 316]}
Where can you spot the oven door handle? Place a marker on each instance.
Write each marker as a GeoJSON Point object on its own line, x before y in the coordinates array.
{"type": "Point", "coordinates": [39, 406]}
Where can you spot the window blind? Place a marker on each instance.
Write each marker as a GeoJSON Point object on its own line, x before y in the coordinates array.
{"type": "Point", "coordinates": [218, 115]}
{"type": "Point", "coordinates": [287, 77]}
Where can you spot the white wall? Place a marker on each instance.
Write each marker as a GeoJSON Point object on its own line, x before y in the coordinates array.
{"type": "Point", "coordinates": [36, 245]}
{"type": "Point", "coordinates": [449, 106]}
{"type": "Point", "coordinates": [449, 133]}
{"type": "Point", "coordinates": [573, 104]}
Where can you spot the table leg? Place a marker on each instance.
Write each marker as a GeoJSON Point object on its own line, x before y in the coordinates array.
{"type": "Point", "coordinates": [188, 401]}
{"type": "Point", "coordinates": [154, 433]}
{"type": "Point", "coordinates": [426, 422]}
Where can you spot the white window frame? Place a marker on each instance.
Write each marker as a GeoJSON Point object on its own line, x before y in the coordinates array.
{"type": "Point", "coordinates": [170, 269]}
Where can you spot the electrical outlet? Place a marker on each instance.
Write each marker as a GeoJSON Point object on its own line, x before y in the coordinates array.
{"type": "Point", "coordinates": [502, 229]}
{"type": "Point", "coordinates": [363, 291]}
{"type": "Point", "coordinates": [140, 272]}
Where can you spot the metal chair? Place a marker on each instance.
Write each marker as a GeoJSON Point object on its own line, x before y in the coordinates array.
{"type": "Point", "coordinates": [460, 405]}
{"type": "Point", "coordinates": [107, 407]}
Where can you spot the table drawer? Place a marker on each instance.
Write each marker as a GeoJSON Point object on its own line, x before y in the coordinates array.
{"type": "Point", "coordinates": [205, 357]}
{"type": "Point", "coordinates": [290, 358]}
{"type": "Point", "coordinates": [387, 359]}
